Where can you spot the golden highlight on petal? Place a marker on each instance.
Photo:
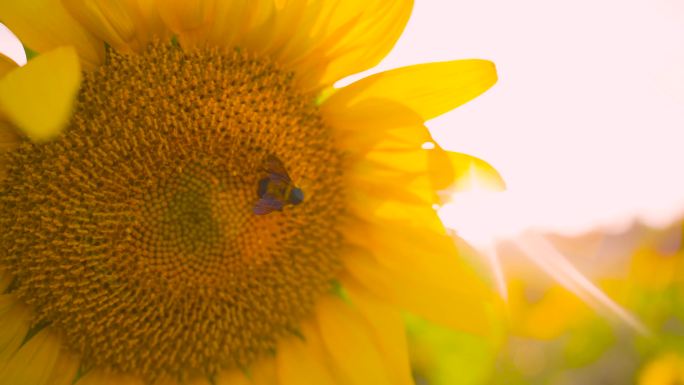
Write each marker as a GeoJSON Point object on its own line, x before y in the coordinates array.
{"type": "Point", "coordinates": [38, 98]}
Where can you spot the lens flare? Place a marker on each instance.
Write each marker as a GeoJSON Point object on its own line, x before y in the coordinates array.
{"type": "Point", "coordinates": [484, 218]}
{"type": "Point", "coordinates": [548, 258]}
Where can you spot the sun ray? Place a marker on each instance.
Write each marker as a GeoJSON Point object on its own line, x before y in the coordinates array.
{"type": "Point", "coordinates": [542, 253]}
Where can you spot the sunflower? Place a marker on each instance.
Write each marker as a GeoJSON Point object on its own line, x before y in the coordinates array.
{"type": "Point", "coordinates": [142, 239]}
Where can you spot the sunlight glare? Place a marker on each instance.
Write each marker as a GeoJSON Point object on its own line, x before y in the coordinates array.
{"type": "Point", "coordinates": [479, 215]}
{"type": "Point", "coordinates": [483, 218]}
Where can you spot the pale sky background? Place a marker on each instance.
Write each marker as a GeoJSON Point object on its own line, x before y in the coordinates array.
{"type": "Point", "coordinates": [586, 124]}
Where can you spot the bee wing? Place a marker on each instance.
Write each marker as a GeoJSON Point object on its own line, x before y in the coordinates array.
{"type": "Point", "coordinates": [276, 169]}
{"type": "Point", "coordinates": [263, 187]}
{"type": "Point", "coordinates": [267, 204]}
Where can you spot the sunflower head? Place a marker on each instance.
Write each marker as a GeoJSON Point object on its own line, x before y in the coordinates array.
{"type": "Point", "coordinates": [134, 243]}
{"type": "Point", "coordinates": [149, 192]}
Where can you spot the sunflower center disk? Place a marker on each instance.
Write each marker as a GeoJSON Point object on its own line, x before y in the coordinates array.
{"type": "Point", "coordinates": [134, 235]}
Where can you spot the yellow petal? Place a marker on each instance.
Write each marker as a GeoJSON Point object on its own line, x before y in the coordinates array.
{"type": "Point", "coordinates": [14, 324]}
{"type": "Point", "coordinates": [6, 65]}
{"type": "Point", "coordinates": [103, 377]}
{"type": "Point", "coordinates": [429, 89]}
{"type": "Point", "coordinates": [424, 251]}
{"type": "Point", "coordinates": [382, 140]}
{"type": "Point", "coordinates": [462, 172]}
{"type": "Point", "coordinates": [337, 38]}
{"type": "Point", "coordinates": [226, 23]}
{"type": "Point", "coordinates": [388, 332]}
{"type": "Point", "coordinates": [65, 369]}
{"type": "Point", "coordinates": [458, 309]}
{"type": "Point", "coordinates": [298, 364]}
{"type": "Point", "coordinates": [322, 40]}
{"type": "Point", "coordinates": [34, 362]}
{"type": "Point", "coordinates": [44, 25]}
{"type": "Point", "coordinates": [150, 24]}
{"type": "Point", "coordinates": [232, 377]}
{"type": "Point", "coordinates": [364, 126]}
{"type": "Point", "coordinates": [264, 372]}
{"type": "Point", "coordinates": [38, 98]}
{"type": "Point", "coordinates": [367, 190]}
{"type": "Point", "coordinates": [191, 20]}
{"type": "Point", "coordinates": [124, 24]}
{"type": "Point", "coordinates": [350, 344]}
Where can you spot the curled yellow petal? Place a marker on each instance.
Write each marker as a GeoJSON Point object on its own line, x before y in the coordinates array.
{"type": "Point", "coordinates": [462, 172]}
{"type": "Point", "coordinates": [38, 98]}
{"type": "Point", "coordinates": [44, 25]}
{"type": "Point", "coordinates": [430, 89]}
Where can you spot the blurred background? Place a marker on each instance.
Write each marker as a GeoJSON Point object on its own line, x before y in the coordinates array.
{"type": "Point", "coordinates": [584, 247]}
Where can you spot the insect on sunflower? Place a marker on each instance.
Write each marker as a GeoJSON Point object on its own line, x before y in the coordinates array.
{"type": "Point", "coordinates": [134, 246]}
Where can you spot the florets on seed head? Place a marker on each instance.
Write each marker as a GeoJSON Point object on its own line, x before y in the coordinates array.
{"type": "Point", "coordinates": [133, 233]}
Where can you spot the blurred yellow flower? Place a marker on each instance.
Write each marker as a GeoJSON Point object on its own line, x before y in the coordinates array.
{"type": "Point", "coordinates": [543, 312]}
{"type": "Point", "coordinates": [658, 261]}
{"type": "Point", "coordinates": [138, 243]}
{"type": "Point", "coordinates": [666, 369]}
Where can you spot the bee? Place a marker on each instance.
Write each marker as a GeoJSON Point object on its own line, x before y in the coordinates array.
{"type": "Point", "coordinates": [276, 189]}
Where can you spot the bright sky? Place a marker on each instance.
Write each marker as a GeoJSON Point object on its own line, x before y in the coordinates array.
{"type": "Point", "coordinates": [10, 46]}
{"type": "Point", "coordinates": [587, 121]}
